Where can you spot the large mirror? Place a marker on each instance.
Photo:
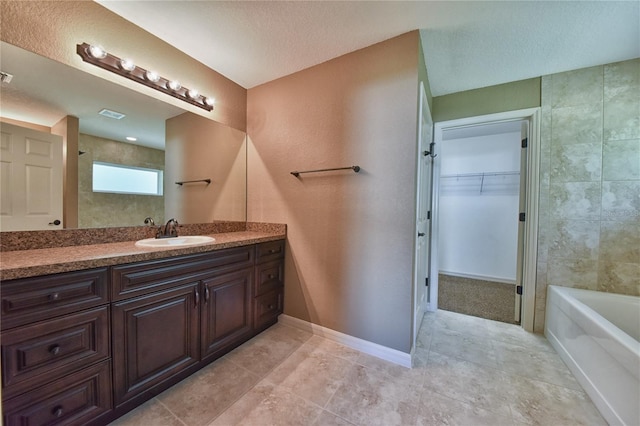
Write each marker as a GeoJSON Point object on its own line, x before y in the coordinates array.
{"type": "Point", "coordinates": [181, 145]}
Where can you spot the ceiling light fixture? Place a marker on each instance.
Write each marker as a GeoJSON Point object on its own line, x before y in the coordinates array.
{"type": "Point", "coordinates": [97, 56]}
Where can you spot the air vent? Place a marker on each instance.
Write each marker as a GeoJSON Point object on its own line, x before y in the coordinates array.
{"type": "Point", "coordinates": [112, 114]}
{"type": "Point", "coordinates": [5, 77]}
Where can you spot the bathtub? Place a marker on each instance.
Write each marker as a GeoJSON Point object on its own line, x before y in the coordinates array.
{"type": "Point", "coordinates": [597, 335]}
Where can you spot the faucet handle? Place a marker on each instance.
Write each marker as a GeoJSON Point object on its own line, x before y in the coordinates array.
{"type": "Point", "coordinates": [149, 221]}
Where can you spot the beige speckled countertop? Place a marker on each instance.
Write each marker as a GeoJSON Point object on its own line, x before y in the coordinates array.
{"type": "Point", "coordinates": [29, 263]}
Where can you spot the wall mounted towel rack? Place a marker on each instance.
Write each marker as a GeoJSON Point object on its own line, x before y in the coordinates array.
{"type": "Point", "coordinates": [354, 168]}
{"type": "Point", "coordinates": [208, 181]}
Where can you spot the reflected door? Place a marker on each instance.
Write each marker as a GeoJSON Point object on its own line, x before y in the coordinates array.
{"type": "Point", "coordinates": [30, 179]}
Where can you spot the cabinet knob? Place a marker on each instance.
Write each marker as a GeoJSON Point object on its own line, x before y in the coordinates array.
{"type": "Point", "coordinates": [271, 276]}
{"type": "Point", "coordinates": [54, 296]}
{"type": "Point", "coordinates": [271, 306]}
{"type": "Point", "coordinates": [57, 411]}
{"type": "Point", "coordinates": [54, 350]}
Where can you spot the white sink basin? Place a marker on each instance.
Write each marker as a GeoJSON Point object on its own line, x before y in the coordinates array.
{"type": "Point", "coordinates": [190, 240]}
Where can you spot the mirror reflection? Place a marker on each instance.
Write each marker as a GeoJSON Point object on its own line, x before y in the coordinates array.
{"type": "Point", "coordinates": [178, 145]}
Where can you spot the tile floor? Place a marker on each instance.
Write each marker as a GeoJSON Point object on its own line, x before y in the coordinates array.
{"type": "Point", "coordinates": [469, 371]}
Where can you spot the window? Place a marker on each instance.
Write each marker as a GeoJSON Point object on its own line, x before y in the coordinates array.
{"type": "Point", "coordinates": [120, 179]}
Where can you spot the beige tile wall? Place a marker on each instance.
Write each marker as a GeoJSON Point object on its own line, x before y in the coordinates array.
{"type": "Point", "coordinates": [589, 231]}
{"type": "Point", "coordinates": [97, 209]}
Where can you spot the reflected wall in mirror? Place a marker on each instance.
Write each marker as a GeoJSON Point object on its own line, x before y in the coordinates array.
{"type": "Point", "coordinates": [43, 92]}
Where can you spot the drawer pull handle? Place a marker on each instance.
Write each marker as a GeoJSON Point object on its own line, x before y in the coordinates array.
{"type": "Point", "coordinates": [54, 350]}
{"type": "Point", "coordinates": [206, 294]}
{"type": "Point", "coordinates": [54, 296]}
{"type": "Point", "coordinates": [197, 294]}
{"type": "Point", "coordinates": [57, 411]}
{"type": "Point", "coordinates": [273, 251]}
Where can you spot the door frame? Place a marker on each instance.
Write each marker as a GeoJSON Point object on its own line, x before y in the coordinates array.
{"type": "Point", "coordinates": [530, 255]}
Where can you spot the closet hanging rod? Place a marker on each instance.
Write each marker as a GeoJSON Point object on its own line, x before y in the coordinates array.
{"type": "Point", "coordinates": [354, 168]}
{"type": "Point", "coordinates": [208, 181]}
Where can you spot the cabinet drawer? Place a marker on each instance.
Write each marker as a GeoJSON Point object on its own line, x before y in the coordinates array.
{"type": "Point", "coordinates": [35, 354]}
{"type": "Point", "coordinates": [73, 400]}
{"type": "Point", "coordinates": [268, 307]}
{"type": "Point", "coordinates": [270, 251]}
{"type": "Point", "coordinates": [145, 277]}
{"type": "Point", "coordinates": [34, 299]}
{"type": "Point", "coordinates": [269, 276]}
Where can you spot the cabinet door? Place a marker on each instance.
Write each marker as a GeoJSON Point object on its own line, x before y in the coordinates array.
{"type": "Point", "coordinates": [154, 337]}
{"type": "Point", "coordinates": [226, 312]}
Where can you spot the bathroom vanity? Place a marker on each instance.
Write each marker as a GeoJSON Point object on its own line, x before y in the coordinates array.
{"type": "Point", "coordinates": [86, 346]}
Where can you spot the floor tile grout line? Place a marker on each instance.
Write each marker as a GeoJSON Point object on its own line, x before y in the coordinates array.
{"type": "Point", "coordinates": [170, 411]}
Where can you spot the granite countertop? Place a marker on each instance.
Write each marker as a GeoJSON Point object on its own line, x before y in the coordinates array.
{"type": "Point", "coordinates": [29, 263]}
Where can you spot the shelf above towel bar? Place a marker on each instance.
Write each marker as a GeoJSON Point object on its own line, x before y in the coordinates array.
{"type": "Point", "coordinates": [208, 181]}
{"type": "Point", "coordinates": [356, 169]}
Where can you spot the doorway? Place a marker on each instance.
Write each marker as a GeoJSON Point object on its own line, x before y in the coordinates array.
{"type": "Point", "coordinates": [488, 182]}
{"type": "Point", "coordinates": [479, 207]}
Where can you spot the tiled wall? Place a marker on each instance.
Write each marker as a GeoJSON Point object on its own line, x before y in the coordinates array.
{"type": "Point", "coordinates": [589, 231]}
{"type": "Point", "coordinates": [97, 209]}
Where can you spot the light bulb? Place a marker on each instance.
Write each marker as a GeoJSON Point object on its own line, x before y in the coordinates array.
{"type": "Point", "coordinates": [209, 101]}
{"type": "Point", "coordinates": [97, 52]}
{"type": "Point", "coordinates": [127, 65]}
{"type": "Point", "coordinates": [193, 93]}
{"type": "Point", "coordinates": [152, 76]}
{"type": "Point", "coordinates": [174, 85]}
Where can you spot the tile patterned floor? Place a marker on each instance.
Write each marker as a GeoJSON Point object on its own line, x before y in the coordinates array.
{"type": "Point", "coordinates": [469, 371]}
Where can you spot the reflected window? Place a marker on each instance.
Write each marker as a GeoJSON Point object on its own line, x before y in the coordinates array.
{"type": "Point", "coordinates": [119, 179]}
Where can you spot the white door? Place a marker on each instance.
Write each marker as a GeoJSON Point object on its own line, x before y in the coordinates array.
{"type": "Point", "coordinates": [30, 179]}
{"type": "Point", "coordinates": [422, 212]}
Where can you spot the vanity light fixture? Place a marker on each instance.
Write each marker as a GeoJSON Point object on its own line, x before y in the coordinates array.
{"type": "Point", "coordinates": [97, 56]}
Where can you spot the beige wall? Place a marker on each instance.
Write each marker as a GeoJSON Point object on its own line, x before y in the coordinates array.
{"type": "Point", "coordinates": [197, 148]}
{"type": "Point", "coordinates": [487, 100]}
{"type": "Point", "coordinates": [589, 232]}
{"type": "Point", "coordinates": [97, 209]}
{"type": "Point", "coordinates": [54, 28]}
{"type": "Point", "coordinates": [350, 236]}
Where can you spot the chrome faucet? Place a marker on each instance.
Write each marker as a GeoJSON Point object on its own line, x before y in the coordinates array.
{"type": "Point", "coordinates": [170, 229]}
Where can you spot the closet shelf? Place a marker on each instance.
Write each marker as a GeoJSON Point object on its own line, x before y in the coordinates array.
{"type": "Point", "coordinates": [483, 181]}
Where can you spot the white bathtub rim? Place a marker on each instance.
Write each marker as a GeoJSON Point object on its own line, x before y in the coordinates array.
{"type": "Point", "coordinates": [601, 403]}
{"type": "Point", "coordinates": [600, 328]}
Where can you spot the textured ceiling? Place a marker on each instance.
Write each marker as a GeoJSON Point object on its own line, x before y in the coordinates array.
{"type": "Point", "coordinates": [467, 45]}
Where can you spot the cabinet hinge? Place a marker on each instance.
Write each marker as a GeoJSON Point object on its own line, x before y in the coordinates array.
{"type": "Point", "coordinates": [519, 290]}
{"type": "Point", "coordinates": [426, 282]}
{"type": "Point", "coordinates": [525, 142]}
{"type": "Point", "coordinates": [521, 217]}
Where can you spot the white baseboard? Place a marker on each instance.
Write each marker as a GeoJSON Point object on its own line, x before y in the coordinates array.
{"type": "Point", "coordinates": [479, 277]}
{"type": "Point", "coordinates": [369, 348]}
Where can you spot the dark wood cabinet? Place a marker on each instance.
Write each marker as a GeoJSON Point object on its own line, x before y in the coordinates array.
{"type": "Point", "coordinates": [226, 311]}
{"type": "Point", "coordinates": [269, 284]}
{"type": "Point", "coordinates": [85, 347]}
{"type": "Point", "coordinates": [154, 338]}
{"type": "Point", "coordinates": [56, 349]}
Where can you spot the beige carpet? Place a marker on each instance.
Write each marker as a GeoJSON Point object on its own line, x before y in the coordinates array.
{"type": "Point", "coordinates": [484, 299]}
